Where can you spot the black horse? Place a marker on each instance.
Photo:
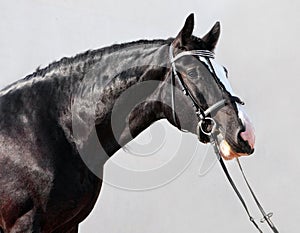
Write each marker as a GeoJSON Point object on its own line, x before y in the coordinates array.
{"type": "Point", "coordinates": [47, 120]}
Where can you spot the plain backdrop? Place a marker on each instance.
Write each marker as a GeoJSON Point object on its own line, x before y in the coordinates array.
{"type": "Point", "coordinates": [260, 47]}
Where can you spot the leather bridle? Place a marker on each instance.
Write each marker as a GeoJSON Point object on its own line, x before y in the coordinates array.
{"type": "Point", "coordinates": [205, 116]}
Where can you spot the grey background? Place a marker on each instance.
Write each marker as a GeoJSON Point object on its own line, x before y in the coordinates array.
{"type": "Point", "coordinates": [260, 47]}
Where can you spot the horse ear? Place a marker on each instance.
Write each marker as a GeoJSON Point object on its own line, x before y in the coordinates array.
{"type": "Point", "coordinates": [186, 32]}
{"type": "Point", "coordinates": [212, 37]}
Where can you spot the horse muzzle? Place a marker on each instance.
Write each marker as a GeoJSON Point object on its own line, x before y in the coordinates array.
{"type": "Point", "coordinates": [246, 141]}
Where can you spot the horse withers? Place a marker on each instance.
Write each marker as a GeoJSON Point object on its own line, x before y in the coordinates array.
{"type": "Point", "coordinates": [46, 184]}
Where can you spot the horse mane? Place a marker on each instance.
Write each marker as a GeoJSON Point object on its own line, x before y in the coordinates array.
{"type": "Point", "coordinates": [84, 58]}
{"type": "Point", "coordinates": [90, 54]}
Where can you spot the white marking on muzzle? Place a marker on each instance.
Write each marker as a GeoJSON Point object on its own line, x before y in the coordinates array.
{"type": "Point", "coordinates": [248, 135]}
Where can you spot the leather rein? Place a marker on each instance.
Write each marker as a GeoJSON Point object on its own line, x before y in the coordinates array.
{"type": "Point", "coordinates": [204, 116]}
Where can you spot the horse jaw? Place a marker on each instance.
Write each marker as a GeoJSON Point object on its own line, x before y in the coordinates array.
{"type": "Point", "coordinates": [248, 135]}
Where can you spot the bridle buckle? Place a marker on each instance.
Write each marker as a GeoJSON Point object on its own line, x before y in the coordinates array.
{"type": "Point", "coordinates": [266, 217]}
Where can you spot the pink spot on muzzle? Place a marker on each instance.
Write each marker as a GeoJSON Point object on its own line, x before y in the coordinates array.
{"type": "Point", "coordinates": [249, 134]}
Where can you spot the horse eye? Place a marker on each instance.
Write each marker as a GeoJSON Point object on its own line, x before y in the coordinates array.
{"type": "Point", "coordinates": [192, 73]}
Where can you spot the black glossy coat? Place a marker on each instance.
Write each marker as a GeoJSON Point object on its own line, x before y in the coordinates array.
{"type": "Point", "coordinates": [44, 184]}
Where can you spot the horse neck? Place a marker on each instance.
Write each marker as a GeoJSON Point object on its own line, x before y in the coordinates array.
{"type": "Point", "coordinates": [107, 79]}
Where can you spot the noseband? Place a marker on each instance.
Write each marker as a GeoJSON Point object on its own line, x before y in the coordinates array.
{"type": "Point", "coordinates": [205, 57]}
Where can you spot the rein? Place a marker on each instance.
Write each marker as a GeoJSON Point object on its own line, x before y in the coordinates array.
{"type": "Point", "coordinates": [204, 116]}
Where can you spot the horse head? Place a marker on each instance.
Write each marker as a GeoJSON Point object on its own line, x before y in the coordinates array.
{"type": "Point", "coordinates": [206, 83]}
